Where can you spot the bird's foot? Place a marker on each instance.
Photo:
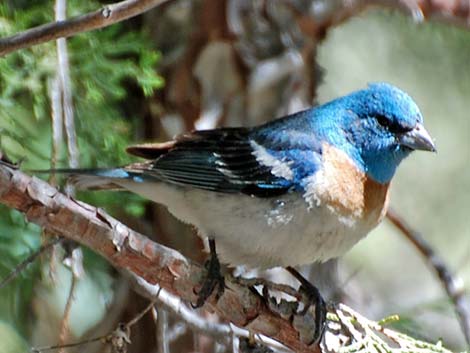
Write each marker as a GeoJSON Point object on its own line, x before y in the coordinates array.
{"type": "Point", "coordinates": [310, 325]}
{"type": "Point", "coordinates": [280, 306]}
{"type": "Point", "coordinates": [267, 285]}
{"type": "Point", "coordinates": [311, 297]}
{"type": "Point", "coordinates": [213, 278]}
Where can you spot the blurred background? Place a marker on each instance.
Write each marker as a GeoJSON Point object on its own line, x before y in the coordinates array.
{"type": "Point", "coordinates": [209, 63]}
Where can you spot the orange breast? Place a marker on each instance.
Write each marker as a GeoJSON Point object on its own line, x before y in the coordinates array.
{"type": "Point", "coordinates": [346, 190]}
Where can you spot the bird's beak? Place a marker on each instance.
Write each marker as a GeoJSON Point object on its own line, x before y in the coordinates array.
{"type": "Point", "coordinates": [418, 139]}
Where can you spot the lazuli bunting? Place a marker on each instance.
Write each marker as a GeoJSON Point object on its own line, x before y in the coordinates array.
{"type": "Point", "coordinates": [300, 189]}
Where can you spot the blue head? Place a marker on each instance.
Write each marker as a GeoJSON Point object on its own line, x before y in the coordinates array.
{"type": "Point", "coordinates": [377, 127]}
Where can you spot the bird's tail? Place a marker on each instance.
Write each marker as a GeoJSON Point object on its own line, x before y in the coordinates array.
{"type": "Point", "coordinates": [92, 178]}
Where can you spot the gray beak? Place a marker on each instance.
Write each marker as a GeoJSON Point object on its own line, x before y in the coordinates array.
{"type": "Point", "coordinates": [417, 139]}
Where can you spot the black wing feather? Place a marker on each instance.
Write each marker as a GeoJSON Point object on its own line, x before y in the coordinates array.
{"type": "Point", "coordinates": [219, 160]}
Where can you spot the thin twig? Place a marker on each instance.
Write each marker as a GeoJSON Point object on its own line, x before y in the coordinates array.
{"type": "Point", "coordinates": [30, 259]}
{"type": "Point", "coordinates": [121, 328]}
{"type": "Point", "coordinates": [163, 342]}
{"type": "Point", "coordinates": [64, 325]}
{"type": "Point", "coordinates": [63, 70]}
{"type": "Point", "coordinates": [451, 284]}
{"type": "Point", "coordinates": [56, 117]}
{"type": "Point", "coordinates": [67, 345]}
{"type": "Point", "coordinates": [103, 17]}
{"type": "Point", "coordinates": [178, 330]}
{"type": "Point", "coordinates": [141, 314]}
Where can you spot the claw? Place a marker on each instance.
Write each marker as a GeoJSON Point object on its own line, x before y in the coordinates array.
{"type": "Point", "coordinates": [312, 297]}
{"type": "Point", "coordinates": [213, 278]}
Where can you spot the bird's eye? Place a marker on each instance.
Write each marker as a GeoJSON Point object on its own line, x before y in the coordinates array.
{"type": "Point", "coordinates": [390, 125]}
{"type": "Point", "coordinates": [383, 121]}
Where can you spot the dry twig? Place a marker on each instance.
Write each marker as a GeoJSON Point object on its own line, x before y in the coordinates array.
{"type": "Point", "coordinates": [118, 338]}
{"type": "Point", "coordinates": [452, 284]}
{"type": "Point", "coordinates": [63, 75]}
{"type": "Point", "coordinates": [104, 17]}
{"type": "Point", "coordinates": [29, 260]}
{"type": "Point", "coordinates": [64, 325]}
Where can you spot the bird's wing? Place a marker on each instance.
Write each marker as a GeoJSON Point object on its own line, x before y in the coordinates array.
{"type": "Point", "coordinates": [219, 160]}
{"type": "Point", "coordinates": [230, 160]}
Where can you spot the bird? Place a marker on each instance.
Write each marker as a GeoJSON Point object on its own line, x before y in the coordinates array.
{"type": "Point", "coordinates": [296, 190]}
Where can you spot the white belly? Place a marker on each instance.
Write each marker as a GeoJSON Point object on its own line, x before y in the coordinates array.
{"type": "Point", "coordinates": [260, 232]}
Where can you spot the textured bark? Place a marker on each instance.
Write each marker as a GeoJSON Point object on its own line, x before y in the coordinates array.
{"type": "Point", "coordinates": [126, 249]}
{"type": "Point", "coordinates": [215, 75]}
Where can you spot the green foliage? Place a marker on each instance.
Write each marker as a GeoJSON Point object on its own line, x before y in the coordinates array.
{"type": "Point", "coordinates": [11, 341]}
{"type": "Point", "coordinates": [17, 240]}
{"type": "Point", "coordinates": [99, 71]}
{"type": "Point", "coordinates": [103, 64]}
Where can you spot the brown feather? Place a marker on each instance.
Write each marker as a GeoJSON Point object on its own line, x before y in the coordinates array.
{"type": "Point", "coordinates": [150, 150]}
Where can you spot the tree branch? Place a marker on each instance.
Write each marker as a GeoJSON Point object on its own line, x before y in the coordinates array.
{"type": "Point", "coordinates": [452, 284]}
{"type": "Point", "coordinates": [164, 274]}
{"type": "Point", "coordinates": [196, 322]}
{"type": "Point", "coordinates": [103, 17]}
{"type": "Point", "coordinates": [455, 12]}
{"type": "Point", "coordinates": [126, 249]}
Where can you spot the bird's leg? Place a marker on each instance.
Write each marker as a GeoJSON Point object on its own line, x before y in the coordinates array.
{"type": "Point", "coordinates": [313, 297]}
{"type": "Point", "coordinates": [213, 278]}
